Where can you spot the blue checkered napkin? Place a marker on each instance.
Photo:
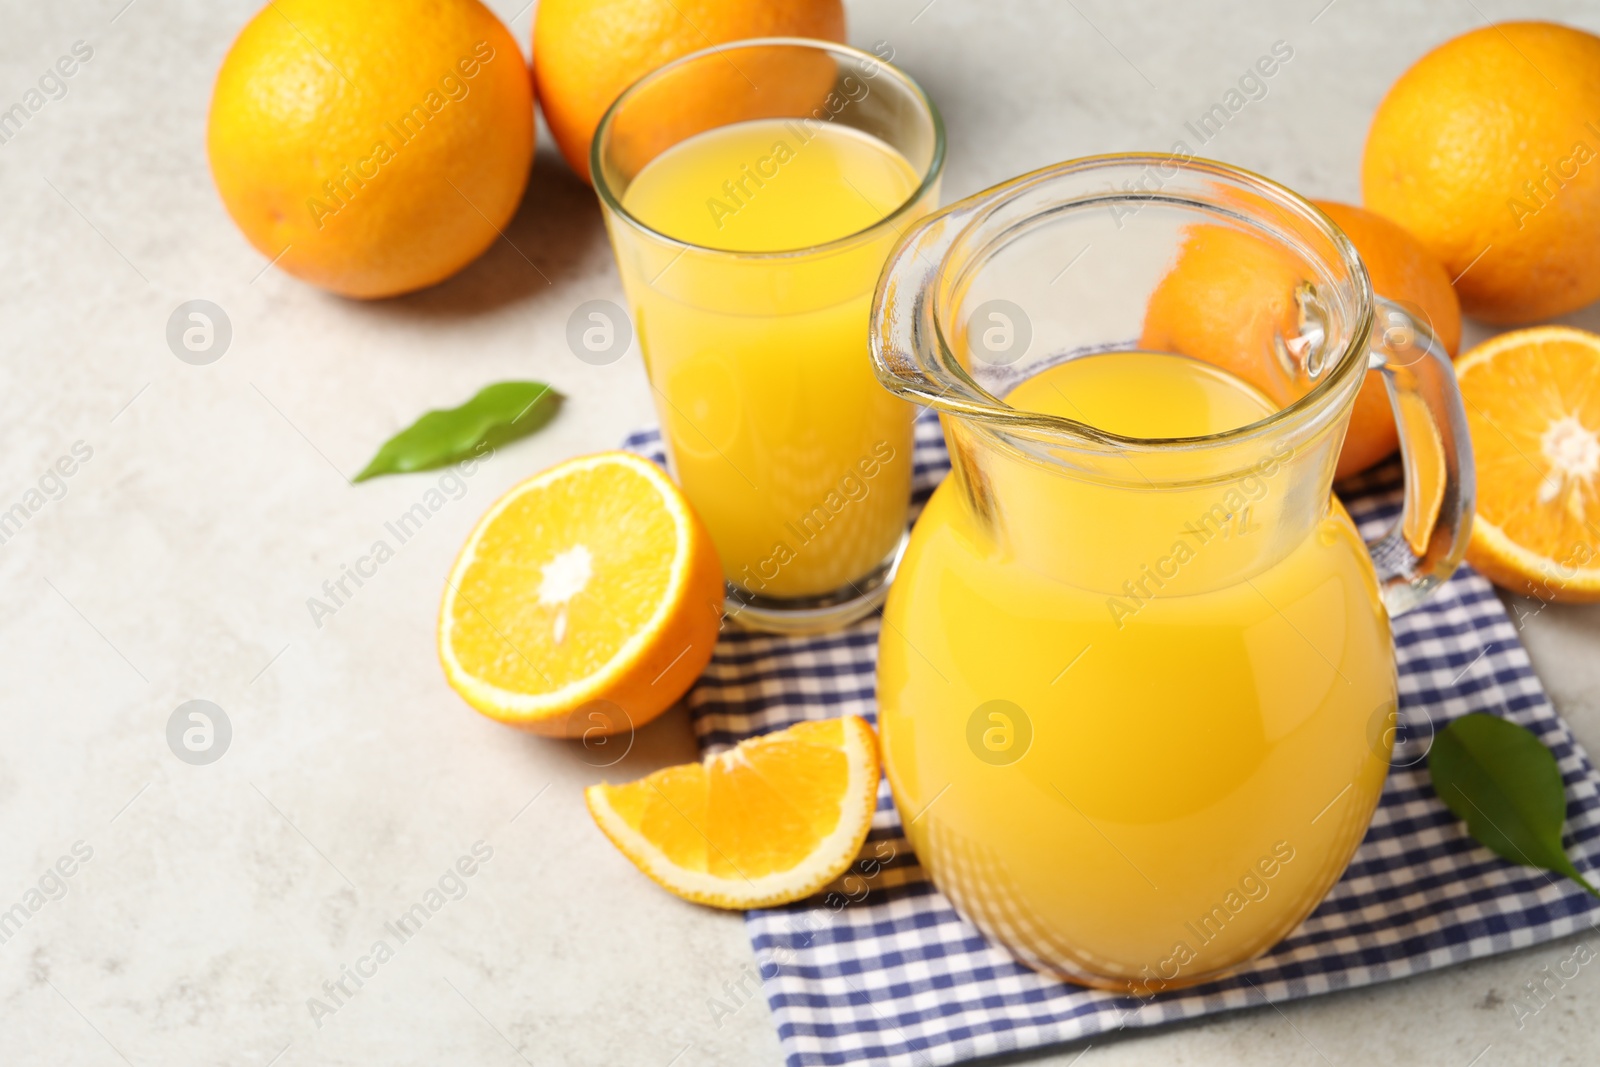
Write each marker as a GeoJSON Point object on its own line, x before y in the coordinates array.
{"type": "Point", "coordinates": [885, 972]}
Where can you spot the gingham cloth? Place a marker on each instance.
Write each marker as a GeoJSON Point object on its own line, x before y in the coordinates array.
{"type": "Point", "coordinates": [884, 971]}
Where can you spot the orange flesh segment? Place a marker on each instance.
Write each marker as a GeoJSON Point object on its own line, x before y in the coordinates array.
{"type": "Point", "coordinates": [758, 809]}
{"type": "Point", "coordinates": [1534, 412]}
{"type": "Point", "coordinates": [504, 633]}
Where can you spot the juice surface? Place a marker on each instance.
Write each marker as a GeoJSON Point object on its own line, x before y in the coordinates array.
{"type": "Point", "coordinates": [796, 459]}
{"type": "Point", "coordinates": [1132, 791]}
{"type": "Point", "coordinates": [758, 187]}
{"type": "Point", "coordinates": [1143, 394]}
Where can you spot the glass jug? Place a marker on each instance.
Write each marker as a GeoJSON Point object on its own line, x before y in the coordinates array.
{"type": "Point", "coordinates": [1133, 691]}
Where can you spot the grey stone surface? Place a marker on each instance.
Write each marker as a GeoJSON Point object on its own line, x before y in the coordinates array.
{"type": "Point", "coordinates": [212, 502]}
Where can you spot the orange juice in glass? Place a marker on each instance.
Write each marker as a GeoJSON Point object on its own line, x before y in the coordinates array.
{"type": "Point", "coordinates": [752, 194]}
{"type": "Point", "coordinates": [1136, 677]}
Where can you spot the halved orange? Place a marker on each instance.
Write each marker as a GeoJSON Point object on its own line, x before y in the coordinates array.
{"type": "Point", "coordinates": [770, 821]}
{"type": "Point", "coordinates": [587, 599]}
{"type": "Point", "coordinates": [1533, 408]}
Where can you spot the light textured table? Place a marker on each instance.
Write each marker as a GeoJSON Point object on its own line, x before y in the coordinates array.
{"type": "Point", "coordinates": [177, 565]}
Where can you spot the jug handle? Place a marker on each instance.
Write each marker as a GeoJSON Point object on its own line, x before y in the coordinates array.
{"type": "Point", "coordinates": [1425, 546]}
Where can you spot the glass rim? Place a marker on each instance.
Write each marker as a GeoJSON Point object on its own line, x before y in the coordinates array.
{"type": "Point", "coordinates": [1060, 431]}
{"type": "Point", "coordinates": [930, 173]}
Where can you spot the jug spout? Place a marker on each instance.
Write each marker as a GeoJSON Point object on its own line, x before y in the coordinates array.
{"type": "Point", "coordinates": [903, 342]}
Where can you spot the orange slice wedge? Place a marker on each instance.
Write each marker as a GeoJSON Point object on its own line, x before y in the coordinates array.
{"type": "Point", "coordinates": [587, 600]}
{"type": "Point", "coordinates": [1533, 407]}
{"type": "Point", "coordinates": [770, 821]}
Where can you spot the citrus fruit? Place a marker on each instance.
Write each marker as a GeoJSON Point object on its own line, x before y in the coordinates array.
{"type": "Point", "coordinates": [1405, 272]}
{"type": "Point", "coordinates": [1533, 408]}
{"type": "Point", "coordinates": [739, 83]}
{"type": "Point", "coordinates": [1229, 299]}
{"type": "Point", "coordinates": [586, 52]}
{"type": "Point", "coordinates": [586, 600]}
{"type": "Point", "coordinates": [372, 147]}
{"type": "Point", "coordinates": [770, 821]}
{"type": "Point", "coordinates": [1488, 150]}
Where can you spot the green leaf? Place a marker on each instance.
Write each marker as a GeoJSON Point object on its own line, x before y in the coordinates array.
{"type": "Point", "coordinates": [1504, 784]}
{"type": "Point", "coordinates": [500, 413]}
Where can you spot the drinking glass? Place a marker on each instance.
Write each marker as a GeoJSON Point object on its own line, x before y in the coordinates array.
{"type": "Point", "coordinates": [775, 428]}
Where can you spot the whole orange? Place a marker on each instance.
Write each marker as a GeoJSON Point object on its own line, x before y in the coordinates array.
{"type": "Point", "coordinates": [1229, 300]}
{"type": "Point", "coordinates": [586, 52]}
{"type": "Point", "coordinates": [1488, 151]}
{"type": "Point", "coordinates": [375, 146]}
{"type": "Point", "coordinates": [1405, 272]}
